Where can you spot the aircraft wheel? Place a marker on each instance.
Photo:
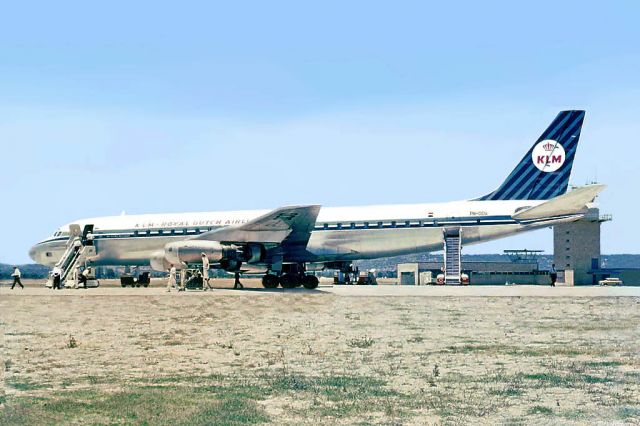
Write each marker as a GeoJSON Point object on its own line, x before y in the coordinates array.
{"type": "Point", "coordinates": [310, 282]}
{"type": "Point", "coordinates": [288, 281]}
{"type": "Point", "coordinates": [270, 281]}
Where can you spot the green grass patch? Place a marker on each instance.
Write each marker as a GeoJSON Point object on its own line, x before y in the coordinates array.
{"type": "Point", "coordinates": [603, 364]}
{"type": "Point", "coordinates": [207, 400]}
{"type": "Point", "coordinates": [629, 412]}
{"type": "Point", "coordinates": [540, 409]}
{"type": "Point", "coordinates": [361, 342]}
{"type": "Point", "coordinates": [24, 385]}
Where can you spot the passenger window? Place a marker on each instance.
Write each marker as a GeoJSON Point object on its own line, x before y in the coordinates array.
{"type": "Point", "coordinates": [353, 225]}
{"type": "Point", "coordinates": [326, 226]}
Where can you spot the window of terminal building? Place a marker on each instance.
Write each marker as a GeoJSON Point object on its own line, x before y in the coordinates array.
{"type": "Point", "coordinates": [568, 257]}
{"type": "Point", "coordinates": [568, 265]}
{"type": "Point", "coordinates": [567, 241]}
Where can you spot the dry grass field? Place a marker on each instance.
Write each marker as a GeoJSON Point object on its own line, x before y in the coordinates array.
{"type": "Point", "coordinates": [142, 356]}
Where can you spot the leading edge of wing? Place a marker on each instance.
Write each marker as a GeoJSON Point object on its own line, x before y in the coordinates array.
{"type": "Point", "coordinates": [291, 223]}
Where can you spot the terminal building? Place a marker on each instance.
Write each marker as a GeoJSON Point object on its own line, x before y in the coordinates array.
{"type": "Point", "coordinates": [522, 269]}
{"type": "Point", "coordinates": [576, 257]}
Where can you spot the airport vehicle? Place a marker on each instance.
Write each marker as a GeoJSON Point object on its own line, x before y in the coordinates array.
{"type": "Point", "coordinates": [284, 243]}
{"type": "Point", "coordinates": [367, 278]}
{"type": "Point", "coordinates": [610, 281]}
{"type": "Point", "coordinates": [129, 280]}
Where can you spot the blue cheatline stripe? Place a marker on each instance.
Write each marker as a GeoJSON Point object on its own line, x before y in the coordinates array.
{"type": "Point", "coordinates": [517, 191]}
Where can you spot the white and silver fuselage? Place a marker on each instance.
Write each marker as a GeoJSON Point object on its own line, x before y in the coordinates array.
{"type": "Point", "coordinates": [339, 234]}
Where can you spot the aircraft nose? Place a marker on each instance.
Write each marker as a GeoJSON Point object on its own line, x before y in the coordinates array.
{"type": "Point", "coordinates": [33, 252]}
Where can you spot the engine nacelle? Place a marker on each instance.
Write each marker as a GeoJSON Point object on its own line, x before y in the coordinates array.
{"type": "Point", "coordinates": [253, 253]}
{"type": "Point", "coordinates": [159, 262]}
{"type": "Point", "coordinates": [190, 251]}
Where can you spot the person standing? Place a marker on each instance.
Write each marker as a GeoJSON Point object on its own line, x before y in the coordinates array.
{"type": "Point", "coordinates": [553, 275]}
{"type": "Point", "coordinates": [171, 282]}
{"type": "Point", "coordinates": [16, 278]}
{"type": "Point", "coordinates": [56, 280]}
{"type": "Point", "coordinates": [205, 273]}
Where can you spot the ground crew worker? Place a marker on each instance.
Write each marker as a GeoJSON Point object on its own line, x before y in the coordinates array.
{"type": "Point", "coordinates": [172, 278]}
{"type": "Point", "coordinates": [205, 273]}
{"type": "Point", "coordinates": [16, 278]}
{"type": "Point", "coordinates": [84, 276]}
{"type": "Point", "coordinates": [553, 275]}
{"type": "Point", "coordinates": [76, 276]}
{"type": "Point", "coordinates": [56, 280]}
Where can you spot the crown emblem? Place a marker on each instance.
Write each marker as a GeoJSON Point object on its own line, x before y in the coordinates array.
{"type": "Point", "coordinates": [549, 146]}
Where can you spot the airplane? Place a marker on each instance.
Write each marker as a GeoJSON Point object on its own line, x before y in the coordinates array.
{"type": "Point", "coordinates": [284, 244]}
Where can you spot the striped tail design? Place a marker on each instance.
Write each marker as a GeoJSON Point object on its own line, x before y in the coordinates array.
{"type": "Point", "coordinates": [544, 171]}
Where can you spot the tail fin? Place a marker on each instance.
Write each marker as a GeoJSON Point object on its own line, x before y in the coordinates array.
{"type": "Point", "coordinates": [544, 171]}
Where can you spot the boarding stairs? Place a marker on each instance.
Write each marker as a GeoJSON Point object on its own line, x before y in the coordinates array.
{"type": "Point", "coordinates": [75, 256]}
{"type": "Point", "coordinates": [452, 256]}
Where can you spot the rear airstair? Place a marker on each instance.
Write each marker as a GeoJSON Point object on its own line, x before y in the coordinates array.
{"type": "Point", "coordinates": [452, 255]}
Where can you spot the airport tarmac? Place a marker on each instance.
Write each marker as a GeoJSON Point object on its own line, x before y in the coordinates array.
{"type": "Point", "coordinates": [254, 287]}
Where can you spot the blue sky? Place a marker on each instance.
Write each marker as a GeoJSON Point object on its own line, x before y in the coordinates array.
{"type": "Point", "coordinates": [194, 106]}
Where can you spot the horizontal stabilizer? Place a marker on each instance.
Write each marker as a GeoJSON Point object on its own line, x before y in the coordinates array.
{"type": "Point", "coordinates": [293, 223]}
{"type": "Point", "coordinates": [570, 203]}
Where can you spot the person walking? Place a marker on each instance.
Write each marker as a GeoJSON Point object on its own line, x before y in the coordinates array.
{"type": "Point", "coordinates": [171, 282]}
{"type": "Point", "coordinates": [237, 283]}
{"type": "Point", "coordinates": [16, 278]}
{"type": "Point", "coordinates": [553, 275]}
{"type": "Point", "coordinates": [205, 273]}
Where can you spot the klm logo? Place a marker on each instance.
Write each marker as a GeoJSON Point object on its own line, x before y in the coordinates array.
{"type": "Point", "coordinates": [548, 156]}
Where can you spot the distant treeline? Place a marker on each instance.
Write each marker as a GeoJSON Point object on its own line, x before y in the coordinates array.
{"type": "Point", "coordinates": [27, 271]}
{"type": "Point", "coordinates": [33, 271]}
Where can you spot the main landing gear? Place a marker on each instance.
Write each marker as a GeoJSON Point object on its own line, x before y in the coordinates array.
{"type": "Point", "coordinates": [290, 280]}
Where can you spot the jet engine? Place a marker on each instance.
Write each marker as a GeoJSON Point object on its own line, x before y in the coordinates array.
{"type": "Point", "coordinates": [190, 251]}
{"type": "Point", "coordinates": [253, 253]}
{"type": "Point", "coordinates": [159, 262]}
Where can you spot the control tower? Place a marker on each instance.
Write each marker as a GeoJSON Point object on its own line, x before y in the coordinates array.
{"type": "Point", "coordinates": [576, 248]}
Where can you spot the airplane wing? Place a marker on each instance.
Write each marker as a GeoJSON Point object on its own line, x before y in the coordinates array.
{"type": "Point", "coordinates": [570, 203]}
{"type": "Point", "coordinates": [283, 225]}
